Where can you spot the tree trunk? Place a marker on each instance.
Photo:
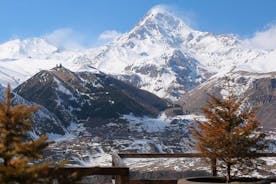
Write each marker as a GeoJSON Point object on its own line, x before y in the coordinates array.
{"type": "Point", "coordinates": [228, 172]}
{"type": "Point", "coordinates": [5, 162]}
{"type": "Point", "coordinates": [214, 166]}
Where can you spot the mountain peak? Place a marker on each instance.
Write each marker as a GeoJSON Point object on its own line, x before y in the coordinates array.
{"type": "Point", "coordinates": [160, 24]}
{"type": "Point", "coordinates": [162, 15]}
{"type": "Point", "coordinates": [159, 9]}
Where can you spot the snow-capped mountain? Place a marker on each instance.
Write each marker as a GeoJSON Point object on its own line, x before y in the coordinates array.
{"type": "Point", "coordinates": [160, 34]}
{"type": "Point", "coordinates": [161, 54]}
{"type": "Point", "coordinates": [20, 59]}
{"type": "Point", "coordinates": [34, 47]}
{"type": "Point", "coordinates": [165, 56]}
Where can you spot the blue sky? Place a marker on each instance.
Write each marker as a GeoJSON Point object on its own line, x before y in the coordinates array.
{"type": "Point", "coordinates": [85, 20]}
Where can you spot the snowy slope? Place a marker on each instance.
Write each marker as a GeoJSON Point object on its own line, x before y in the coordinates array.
{"type": "Point", "coordinates": [262, 64]}
{"type": "Point", "coordinates": [34, 47]}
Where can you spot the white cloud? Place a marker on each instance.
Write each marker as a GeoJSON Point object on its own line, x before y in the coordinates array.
{"type": "Point", "coordinates": [109, 35]}
{"type": "Point", "coordinates": [265, 39]}
{"type": "Point", "coordinates": [65, 38]}
{"type": "Point", "coordinates": [69, 39]}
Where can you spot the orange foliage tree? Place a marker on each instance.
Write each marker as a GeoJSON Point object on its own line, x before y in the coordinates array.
{"type": "Point", "coordinates": [230, 133]}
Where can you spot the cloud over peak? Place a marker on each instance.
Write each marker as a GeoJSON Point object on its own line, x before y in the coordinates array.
{"type": "Point", "coordinates": [65, 38]}
{"type": "Point", "coordinates": [109, 35]}
{"type": "Point", "coordinates": [265, 39]}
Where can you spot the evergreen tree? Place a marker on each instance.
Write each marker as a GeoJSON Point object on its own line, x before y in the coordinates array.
{"type": "Point", "coordinates": [231, 133]}
{"type": "Point", "coordinates": [16, 153]}
{"type": "Point", "coordinates": [19, 154]}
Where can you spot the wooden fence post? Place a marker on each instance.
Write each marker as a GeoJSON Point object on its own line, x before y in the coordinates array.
{"type": "Point", "coordinates": [122, 179]}
{"type": "Point", "coordinates": [118, 162]}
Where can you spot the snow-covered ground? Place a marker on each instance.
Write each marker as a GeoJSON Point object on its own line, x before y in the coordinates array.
{"type": "Point", "coordinates": [142, 135]}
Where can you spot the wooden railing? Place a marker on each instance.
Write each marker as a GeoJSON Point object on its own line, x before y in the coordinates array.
{"type": "Point", "coordinates": [121, 174]}
{"type": "Point", "coordinates": [120, 171]}
{"type": "Point", "coordinates": [160, 155]}
{"type": "Point", "coordinates": [187, 155]}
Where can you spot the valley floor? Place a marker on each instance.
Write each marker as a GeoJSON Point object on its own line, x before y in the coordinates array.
{"type": "Point", "coordinates": [94, 146]}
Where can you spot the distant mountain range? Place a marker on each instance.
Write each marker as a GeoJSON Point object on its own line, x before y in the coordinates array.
{"type": "Point", "coordinates": [161, 54]}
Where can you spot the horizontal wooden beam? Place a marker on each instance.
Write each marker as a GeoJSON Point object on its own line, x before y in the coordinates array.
{"type": "Point", "coordinates": [159, 155]}
{"type": "Point", "coordinates": [177, 155]}
{"type": "Point", "coordinates": [273, 179]}
{"type": "Point", "coordinates": [266, 154]}
{"type": "Point", "coordinates": [87, 171]}
{"type": "Point", "coordinates": [152, 181]}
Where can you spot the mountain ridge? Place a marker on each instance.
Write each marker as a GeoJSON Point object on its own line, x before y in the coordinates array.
{"type": "Point", "coordinates": [84, 96]}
